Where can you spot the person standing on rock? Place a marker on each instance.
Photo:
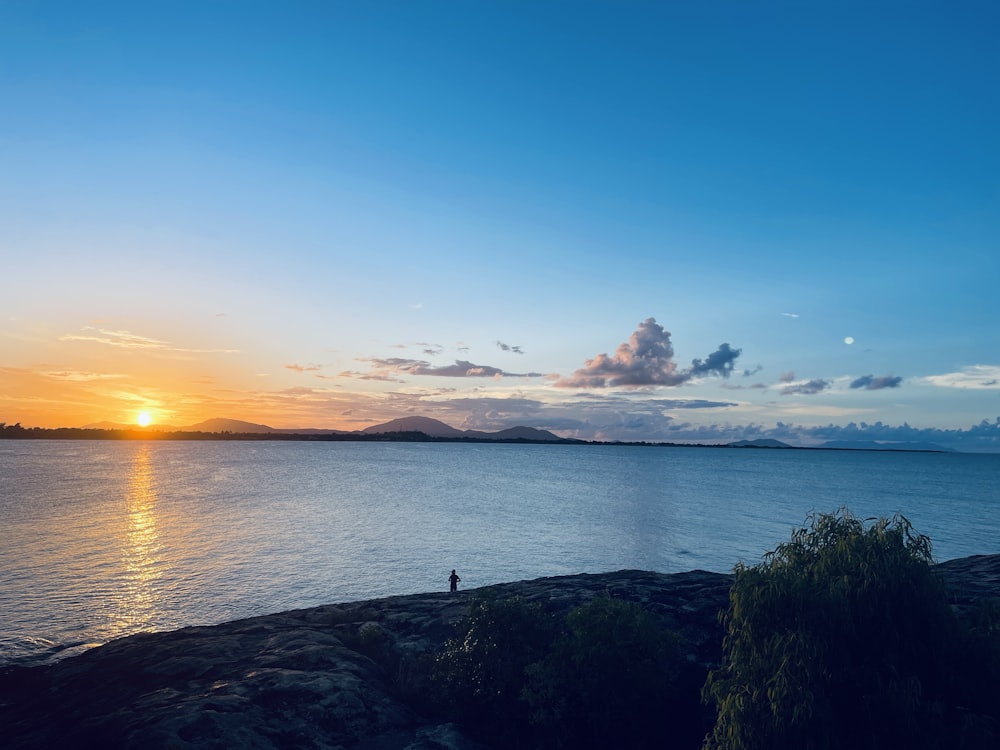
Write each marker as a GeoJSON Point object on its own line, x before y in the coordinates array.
{"type": "Point", "coordinates": [454, 579]}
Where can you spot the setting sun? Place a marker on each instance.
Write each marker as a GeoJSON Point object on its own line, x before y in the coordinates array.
{"type": "Point", "coordinates": [144, 419]}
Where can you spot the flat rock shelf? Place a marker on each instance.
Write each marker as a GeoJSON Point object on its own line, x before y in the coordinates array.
{"type": "Point", "coordinates": [302, 679]}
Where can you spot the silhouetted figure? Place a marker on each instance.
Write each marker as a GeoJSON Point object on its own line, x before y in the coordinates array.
{"type": "Point", "coordinates": [454, 580]}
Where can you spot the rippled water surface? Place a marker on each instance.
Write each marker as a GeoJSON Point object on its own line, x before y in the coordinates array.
{"type": "Point", "coordinates": [100, 539]}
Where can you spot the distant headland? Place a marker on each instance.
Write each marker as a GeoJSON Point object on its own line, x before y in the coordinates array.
{"type": "Point", "coordinates": [404, 429]}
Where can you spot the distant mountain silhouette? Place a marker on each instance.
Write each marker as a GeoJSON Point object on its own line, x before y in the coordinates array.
{"type": "Point", "coordinates": [426, 425]}
{"type": "Point", "coordinates": [436, 428]}
{"type": "Point", "coordinates": [227, 425]}
{"type": "Point", "coordinates": [759, 443]}
{"type": "Point", "coordinates": [430, 427]}
{"type": "Point", "coordinates": [524, 433]}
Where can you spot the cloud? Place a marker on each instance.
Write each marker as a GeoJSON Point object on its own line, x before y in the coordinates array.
{"type": "Point", "coordinates": [720, 362]}
{"type": "Point", "coordinates": [80, 376]}
{"type": "Point", "coordinates": [808, 388]}
{"type": "Point", "coordinates": [123, 339]}
{"type": "Point", "coordinates": [787, 377]}
{"type": "Point", "coordinates": [128, 340]}
{"type": "Point", "coordinates": [431, 350]}
{"type": "Point", "coordinates": [689, 403]}
{"type": "Point", "coordinates": [383, 368]}
{"type": "Point", "coordinates": [974, 376]}
{"type": "Point", "coordinates": [303, 368]}
{"type": "Point", "coordinates": [647, 359]}
{"type": "Point", "coordinates": [790, 315]}
{"type": "Point", "coordinates": [871, 383]}
{"type": "Point", "coordinates": [982, 437]}
{"type": "Point", "coordinates": [509, 348]}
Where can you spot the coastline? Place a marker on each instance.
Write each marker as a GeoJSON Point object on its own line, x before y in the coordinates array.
{"type": "Point", "coordinates": [308, 676]}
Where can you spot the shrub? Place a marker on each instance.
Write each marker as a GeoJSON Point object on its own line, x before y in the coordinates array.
{"type": "Point", "coordinates": [481, 671]}
{"type": "Point", "coordinates": [608, 681]}
{"type": "Point", "coordinates": [517, 676]}
{"type": "Point", "coordinates": [843, 637]}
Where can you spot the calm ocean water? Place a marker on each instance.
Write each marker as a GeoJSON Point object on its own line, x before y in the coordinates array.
{"type": "Point", "coordinates": [101, 539]}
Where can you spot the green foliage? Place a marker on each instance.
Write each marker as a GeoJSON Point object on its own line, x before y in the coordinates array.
{"type": "Point", "coordinates": [602, 677]}
{"type": "Point", "coordinates": [481, 671]}
{"type": "Point", "coordinates": [607, 681]}
{"type": "Point", "coordinates": [843, 637]}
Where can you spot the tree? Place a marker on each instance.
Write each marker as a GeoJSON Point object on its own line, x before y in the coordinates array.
{"type": "Point", "coordinates": [843, 637]}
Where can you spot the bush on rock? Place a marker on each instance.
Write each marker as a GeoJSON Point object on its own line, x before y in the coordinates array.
{"type": "Point", "coordinates": [843, 637]}
{"type": "Point", "coordinates": [603, 676]}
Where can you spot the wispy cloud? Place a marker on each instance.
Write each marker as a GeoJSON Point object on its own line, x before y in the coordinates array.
{"type": "Point", "coordinates": [129, 340]}
{"type": "Point", "coordinates": [303, 368]}
{"type": "Point", "coordinates": [790, 315]}
{"type": "Point", "coordinates": [384, 369]}
{"type": "Point", "coordinates": [78, 376]}
{"type": "Point", "coordinates": [871, 383]}
{"type": "Point", "coordinates": [807, 388]}
{"type": "Point", "coordinates": [647, 359]}
{"type": "Point", "coordinates": [974, 376]}
{"type": "Point", "coordinates": [124, 339]}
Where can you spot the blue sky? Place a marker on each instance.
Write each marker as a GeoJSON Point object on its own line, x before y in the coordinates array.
{"type": "Point", "coordinates": [334, 214]}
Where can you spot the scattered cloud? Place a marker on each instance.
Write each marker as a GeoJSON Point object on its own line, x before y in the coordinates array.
{"type": "Point", "coordinates": [384, 369]}
{"type": "Point", "coordinates": [787, 377]}
{"type": "Point", "coordinates": [747, 372]}
{"type": "Point", "coordinates": [790, 315]}
{"type": "Point", "coordinates": [974, 376]}
{"type": "Point", "coordinates": [303, 368]}
{"type": "Point", "coordinates": [431, 350]}
{"type": "Point", "coordinates": [871, 383]}
{"type": "Point", "coordinates": [647, 359]}
{"type": "Point", "coordinates": [509, 348]}
{"type": "Point", "coordinates": [807, 388]}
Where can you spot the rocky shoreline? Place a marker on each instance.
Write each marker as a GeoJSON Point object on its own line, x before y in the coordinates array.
{"type": "Point", "coordinates": [307, 678]}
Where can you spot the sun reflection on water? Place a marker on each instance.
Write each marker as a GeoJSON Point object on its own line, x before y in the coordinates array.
{"type": "Point", "coordinates": [137, 597]}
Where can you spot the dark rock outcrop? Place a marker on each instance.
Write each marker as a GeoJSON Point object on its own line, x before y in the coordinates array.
{"type": "Point", "coordinates": [305, 678]}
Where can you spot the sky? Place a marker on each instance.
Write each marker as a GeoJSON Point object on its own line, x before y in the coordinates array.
{"type": "Point", "coordinates": [684, 222]}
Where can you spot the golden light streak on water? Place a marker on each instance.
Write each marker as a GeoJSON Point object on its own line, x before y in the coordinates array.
{"type": "Point", "coordinates": [137, 598]}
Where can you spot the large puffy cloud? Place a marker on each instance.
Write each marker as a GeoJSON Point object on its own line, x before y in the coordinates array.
{"type": "Point", "coordinates": [871, 383]}
{"type": "Point", "coordinates": [647, 359]}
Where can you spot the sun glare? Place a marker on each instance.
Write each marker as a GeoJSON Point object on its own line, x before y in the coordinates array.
{"type": "Point", "coordinates": [144, 419]}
